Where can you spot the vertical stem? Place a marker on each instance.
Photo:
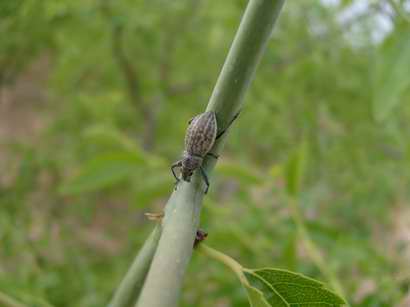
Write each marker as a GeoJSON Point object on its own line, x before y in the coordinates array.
{"type": "Point", "coordinates": [164, 281]}
{"type": "Point", "coordinates": [130, 287]}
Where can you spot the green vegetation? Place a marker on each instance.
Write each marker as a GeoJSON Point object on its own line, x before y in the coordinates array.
{"type": "Point", "coordinates": [95, 100]}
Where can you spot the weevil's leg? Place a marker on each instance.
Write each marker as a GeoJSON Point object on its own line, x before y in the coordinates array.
{"type": "Point", "coordinates": [213, 155]}
{"type": "Point", "coordinates": [204, 175]}
{"type": "Point", "coordinates": [173, 167]}
{"type": "Point", "coordinates": [229, 124]}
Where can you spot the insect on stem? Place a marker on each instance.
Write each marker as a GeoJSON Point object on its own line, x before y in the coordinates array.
{"type": "Point", "coordinates": [201, 135]}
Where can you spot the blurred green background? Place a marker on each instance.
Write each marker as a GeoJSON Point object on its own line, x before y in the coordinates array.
{"type": "Point", "coordinates": [95, 97]}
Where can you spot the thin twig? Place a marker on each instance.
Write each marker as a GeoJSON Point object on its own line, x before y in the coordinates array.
{"type": "Point", "coordinates": [225, 259]}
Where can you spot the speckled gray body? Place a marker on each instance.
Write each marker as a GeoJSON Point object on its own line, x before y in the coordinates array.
{"type": "Point", "coordinates": [199, 139]}
{"type": "Point", "coordinates": [201, 134]}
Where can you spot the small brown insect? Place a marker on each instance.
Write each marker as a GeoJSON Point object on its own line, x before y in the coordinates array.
{"type": "Point", "coordinates": [200, 236]}
{"type": "Point", "coordinates": [199, 139]}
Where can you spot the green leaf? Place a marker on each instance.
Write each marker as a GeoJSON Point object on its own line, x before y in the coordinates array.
{"type": "Point", "coordinates": [255, 297]}
{"type": "Point", "coordinates": [272, 297]}
{"type": "Point", "coordinates": [392, 68]}
{"type": "Point", "coordinates": [285, 288]}
{"type": "Point", "coordinates": [103, 171]}
{"type": "Point", "coordinates": [276, 287]}
{"type": "Point", "coordinates": [295, 169]}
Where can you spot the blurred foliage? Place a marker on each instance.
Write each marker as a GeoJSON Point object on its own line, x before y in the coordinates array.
{"type": "Point", "coordinates": [124, 79]}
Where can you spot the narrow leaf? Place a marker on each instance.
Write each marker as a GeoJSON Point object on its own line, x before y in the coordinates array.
{"type": "Point", "coordinates": [295, 168]}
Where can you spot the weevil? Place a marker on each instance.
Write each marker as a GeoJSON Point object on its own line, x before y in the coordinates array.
{"type": "Point", "coordinates": [200, 136]}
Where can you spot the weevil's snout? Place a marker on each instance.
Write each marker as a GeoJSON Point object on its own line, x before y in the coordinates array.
{"type": "Point", "coordinates": [189, 164]}
{"type": "Point", "coordinates": [186, 174]}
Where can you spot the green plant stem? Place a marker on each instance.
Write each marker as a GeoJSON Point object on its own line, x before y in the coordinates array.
{"type": "Point", "coordinates": [7, 301]}
{"type": "Point", "coordinates": [130, 287]}
{"type": "Point", "coordinates": [164, 280]}
{"type": "Point", "coordinates": [226, 260]}
{"type": "Point", "coordinates": [313, 250]}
